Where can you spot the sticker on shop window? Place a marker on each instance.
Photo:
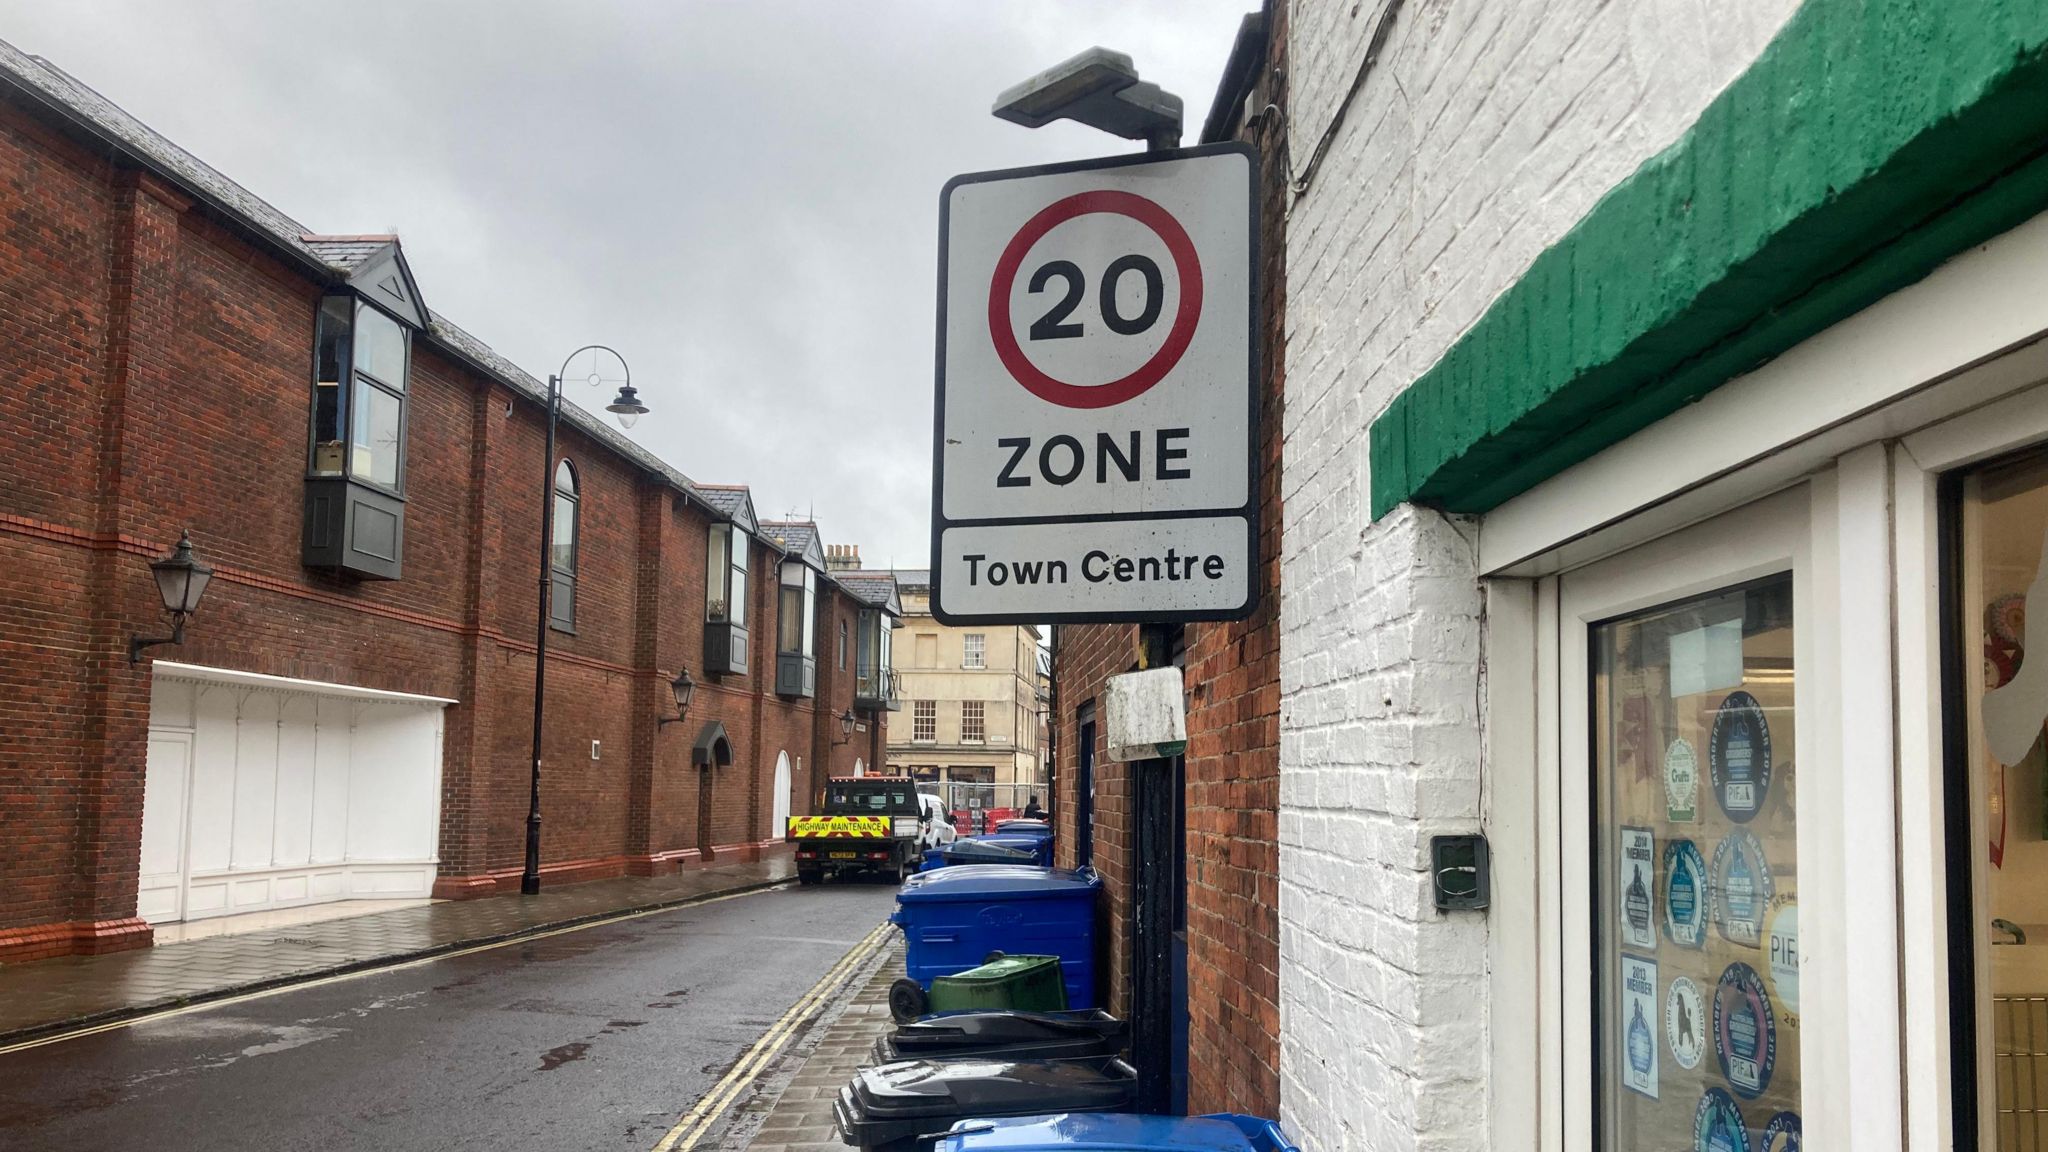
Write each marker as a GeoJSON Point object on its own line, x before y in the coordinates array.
{"type": "Point", "coordinates": [1741, 889]}
{"type": "Point", "coordinates": [1685, 894]}
{"type": "Point", "coordinates": [2015, 710]}
{"type": "Point", "coordinates": [1717, 1124]}
{"type": "Point", "coordinates": [1781, 1134]}
{"type": "Point", "coordinates": [1739, 757]}
{"type": "Point", "coordinates": [1638, 876]}
{"type": "Point", "coordinates": [1745, 1032]}
{"type": "Point", "coordinates": [1681, 783]}
{"type": "Point", "coordinates": [1782, 949]}
{"type": "Point", "coordinates": [1685, 1022]}
{"type": "Point", "coordinates": [1639, 1025]}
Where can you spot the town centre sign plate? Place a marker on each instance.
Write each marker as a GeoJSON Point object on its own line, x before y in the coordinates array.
{"type": "Point", "coordinates": [1093, 439]}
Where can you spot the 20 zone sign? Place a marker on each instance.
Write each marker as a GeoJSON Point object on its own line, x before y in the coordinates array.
{"type": "Point", "coordinates": [1094, 425]}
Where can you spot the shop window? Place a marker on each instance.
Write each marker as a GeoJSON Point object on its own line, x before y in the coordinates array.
{"type": "Point", "coordinates": [1998, 804]}
{"type": "Point", "coordinates": [355, 472]}
{"type": "Point", "coordinates": [1696, 921]}
{"type": "Point", "coordinates": [796, 669]}
{"type": "Point", "coordinates": [562, 549]}
{"type": "Point", "coordinates": [924, 721]}
{"type": "Point", "coordinates": [971, 722]}
{"type": "Point", "coordinates": [975, 650]}
{"type": "Point", "coordinates": [725, 599]}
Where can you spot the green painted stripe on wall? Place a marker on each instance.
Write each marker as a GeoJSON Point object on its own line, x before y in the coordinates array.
{"type": "Point", "coordinates": [1871, 141]}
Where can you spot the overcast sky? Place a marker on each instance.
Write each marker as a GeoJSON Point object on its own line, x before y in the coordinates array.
{"type": "Point", "coordinates": [741, 197]}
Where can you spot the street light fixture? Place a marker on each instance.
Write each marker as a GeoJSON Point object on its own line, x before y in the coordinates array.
{"type": "Point", "coordinates": [181, 579]}
{"type": "Point", "coordinates": [682, 688]}
{"type": "Point", "coordinates": [1101, 89]}
{"type": "Point", "coordinates": [628, 408]}
{"type": "Point", "coordinates": [845, 728]}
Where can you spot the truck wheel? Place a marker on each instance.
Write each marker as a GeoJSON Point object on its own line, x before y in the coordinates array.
{"type": "Point", "coordinates": [907, 1001]}
{"type": "Point", "coordinates": [809, 876]}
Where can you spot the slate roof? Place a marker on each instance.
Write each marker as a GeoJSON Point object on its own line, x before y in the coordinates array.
{"type": "Point", "coordinates": [913, 577]}
{"type": "Point", "coordinates": [875, 589]}
{"type": "Point", "coordinates": [729, 499]}
{"type": "Point", "coordinates": [348, 253]}
{"type": "Point", "coordinates": [792, 536]}
{"type": "Point", "coordinates": [87, 112]}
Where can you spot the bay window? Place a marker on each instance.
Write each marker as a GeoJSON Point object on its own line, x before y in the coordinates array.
{"type": "Point", "coordinates": [355, 474]}
{"type": "Point", "coordinates": [725, 600]}
{"type": "Point", "coordinates": [874, 677]}
{"type": "Point", "coordinates": [796, 665]}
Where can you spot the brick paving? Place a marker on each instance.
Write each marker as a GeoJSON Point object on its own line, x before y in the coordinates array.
{"type": "Point", "coordinates": [46, 996]}
{"type": "Point", "coordinates": [800, 1118]}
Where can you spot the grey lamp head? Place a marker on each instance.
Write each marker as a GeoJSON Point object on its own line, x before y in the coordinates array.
{"type": "Point", "coordinates": [1099, 88]}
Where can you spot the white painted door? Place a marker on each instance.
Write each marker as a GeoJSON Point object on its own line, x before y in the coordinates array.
{"type": "Point", "coordinates": [160, 895]}
{"type": "Point", "coordinates": [780, 821]}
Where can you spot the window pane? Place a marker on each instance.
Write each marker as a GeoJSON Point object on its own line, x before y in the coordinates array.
{"type": "Point", "coordinates": [810, 612]}
{"type": "Point", "coordinates": [2003, 600]}
{"type": "Point", "coordinates": [715, 566]}
{"type": "Point", "coordinates": [563, 546]}
{"type": "Point", "coordinates": [562, 603]}
{"type": "Point", "coordinates": [971, 730]}
{"type": "Point", "coordinates": [738, 605]}
{"type": "Point", "coordinates": [1697, 875]}
{"type": "Point", "coordinates": [374, 435]}
{"type": "Point", "coordinates": [380, 347]}
{"type": "Point", "coordinates": [924, 720]}
{"type": "Point", "coordinates": [976, 648]}
{"type": "Point", "coordinates": [789, 620]}
{"type": "Point", "coordinates": [330, 370]}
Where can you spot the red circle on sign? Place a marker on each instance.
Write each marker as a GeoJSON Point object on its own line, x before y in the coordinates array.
{"type": "Point", "coordinates": [1185, 263]}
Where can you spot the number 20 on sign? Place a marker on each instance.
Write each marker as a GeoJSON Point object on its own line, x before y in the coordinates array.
{"type": "Point", "coordinates": [1095, 423]}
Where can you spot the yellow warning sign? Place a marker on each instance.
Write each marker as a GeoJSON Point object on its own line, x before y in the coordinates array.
{"type": "Point", "coordinates": [826, 827]}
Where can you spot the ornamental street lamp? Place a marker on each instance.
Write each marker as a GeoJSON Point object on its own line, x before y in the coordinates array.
{"type": "Point", "coordinates": [682, 688]}
{"type": "Point", "coordinates": [181, 579]}
{"type": "Point", "coordinates": [628, 408]}
{"type": "Point", "coordinates": [845, 728]}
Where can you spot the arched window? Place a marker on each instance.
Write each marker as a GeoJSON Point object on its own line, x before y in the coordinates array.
{"type": "Point", "coordinates": [562, 549]}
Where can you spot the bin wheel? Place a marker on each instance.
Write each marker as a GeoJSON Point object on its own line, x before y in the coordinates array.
{"type": "Point", "coordinates": [992, 957]}
{"type": "Point", "coordinates": [907, 1001]}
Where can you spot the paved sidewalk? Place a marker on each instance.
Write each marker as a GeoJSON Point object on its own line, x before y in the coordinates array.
{"type": "Point", "coordinates": [47, 996]}
{"type": "Point", "coordinates": [800, 1119]}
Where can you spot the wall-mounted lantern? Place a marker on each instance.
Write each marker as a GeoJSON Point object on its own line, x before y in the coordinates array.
{"type": "Point", "coordinates": [181, 579]}
{"type": "Point", "coordinates": [683, 688]}
{"type": "Point", "coordinates": [845, 728]}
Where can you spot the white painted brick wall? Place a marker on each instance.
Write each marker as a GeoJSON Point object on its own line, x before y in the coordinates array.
{"type": "Point", "coordinates": [1487, 129]}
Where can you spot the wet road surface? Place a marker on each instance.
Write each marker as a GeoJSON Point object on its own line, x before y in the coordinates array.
{"type": "Point", "coordinates": [596, 1039]}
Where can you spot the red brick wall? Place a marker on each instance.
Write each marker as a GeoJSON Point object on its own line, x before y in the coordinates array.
{"type": "Point", "coordinates": [1233, 757]}
{"type": "Point", "coordinates": [158, 375]}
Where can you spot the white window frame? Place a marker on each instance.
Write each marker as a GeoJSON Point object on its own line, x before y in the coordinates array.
{"type": "Point", "coordinates": [974, 650]}
{"type": "Point", "coordinates": [980, 722]}
{"type": "Point", "coordinates": [924, 721]}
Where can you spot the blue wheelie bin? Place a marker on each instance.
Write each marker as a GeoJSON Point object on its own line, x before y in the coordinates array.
{"type": "Point", "coordinates": [1039, 847]}
{"type": "Point", "coordinates": [953, 918]}
{"type": "Point", "coordinates": [1115, 1132]}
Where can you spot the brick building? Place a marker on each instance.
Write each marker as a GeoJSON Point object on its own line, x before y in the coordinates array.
{"type": "Point", "coordinates": [349, 713]}
{"type": "Point", "coordinates": [1227, 914]}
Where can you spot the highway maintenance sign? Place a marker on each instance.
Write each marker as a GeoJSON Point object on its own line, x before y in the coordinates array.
{"type": "Point", "coordinates": [1096, 411]}
{"type": "Point", "coordinates": [835, 827]}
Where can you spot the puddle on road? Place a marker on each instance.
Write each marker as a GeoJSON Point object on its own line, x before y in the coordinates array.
{"type": "Point", "coordinates": [555, 1057]}
{"type": "Point", "coordinates": [622, 1025]}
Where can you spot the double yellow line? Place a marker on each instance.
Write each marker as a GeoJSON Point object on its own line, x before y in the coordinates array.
{"type": "Point", "coordinates": [698, 1120]}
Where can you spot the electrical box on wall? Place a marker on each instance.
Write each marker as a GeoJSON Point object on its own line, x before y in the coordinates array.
{"type": "Point", "coordinates": [1144, 714]}
{"type": "Point", "coordinates": [1458, 867]}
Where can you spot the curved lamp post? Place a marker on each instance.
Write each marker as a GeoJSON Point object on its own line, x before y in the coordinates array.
{"type": "Point", "coordinates": [628, 408]}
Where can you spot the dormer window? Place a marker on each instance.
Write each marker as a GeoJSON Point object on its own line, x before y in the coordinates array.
{"type": "Point", "coordinates": [355, 474]}
{"type": "Point", "coordinates": [725, 599]}
{"type": "Point", "coordinates": [796, 667]}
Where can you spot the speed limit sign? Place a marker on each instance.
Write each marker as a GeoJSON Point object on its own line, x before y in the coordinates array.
{"type": "Point", "coordinates": [1095, 422]}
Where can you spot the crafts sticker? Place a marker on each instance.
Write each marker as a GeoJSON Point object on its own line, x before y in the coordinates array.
{"type": "Point", "coordinates": [1685, 1022]}
{"type": "Point", "coordinates": [1685, 894]}
{"type": "Point", "coordinates": [1717, 1124]}
{"type": "Point", "coordinates": [1741, 889]}
{"type": "Point", "coordinates": [1638, 867]}
{"type": "Point", "coordinates": [1781, 1134]}
{"type": "Point", "coordinates": [1783, 953]}
{"type": "Point", "coordinates": [1745, 1032]}
{"type": "Point", "coordinates": [1739, 757]}
{"type": "Point", "coordinates": [1681, 782]}
{"type": "Point", "coordinates": [1639, 1024]}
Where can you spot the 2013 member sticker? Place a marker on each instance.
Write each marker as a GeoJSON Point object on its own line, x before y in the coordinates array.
{"type": "Point", "coordinates": [1685, 1022]}
{"type": "Point", "coordinates": [1782, 950]}
{"type": "Point", "coordinates": [1781, 1134]}
{"type": "Point", "coordinates": [1681, 782]}
{"type": "Point", "coordinates": [1685, 894]}
{"type": "Point", "coordinates": [1741, 889]}
{"type": "Point", "coordinates": [1717, 1124]}
{"type": "Point", "coordinates": [1638, 863]}
{"type": "Point", "coordinates": [1745, 1032]}
{"type": "Point", "coordinates": [1739, 757]}
{"type": "Point", "coordinates": [1639, 1024]}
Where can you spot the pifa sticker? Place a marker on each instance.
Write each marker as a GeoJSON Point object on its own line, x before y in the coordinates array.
{"type": "Point", "coordinates": [1739, 757]}
{"type": "Point", "coordinates": [1717, 1124]}
{"type": "Point", "coordinates": [1638, 867]}
{"type": "Point", "coordinates": [1685, 894]}
{"type": "Point", "coordinates": [1781, 1134]}
{"type": "Point", "coordinates": [1745, 1032]}
{"type": "Point", "coordinates": [1741, 889]}
{"type": "Point", "coordinates": [1782, 952]}
{"type": "Point", "coordinates": [1639, 1024]}
{"type": "Point", "coordinates": [1685, 1022]}
{"type": "Point", "coordinates": [1681, 783]}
